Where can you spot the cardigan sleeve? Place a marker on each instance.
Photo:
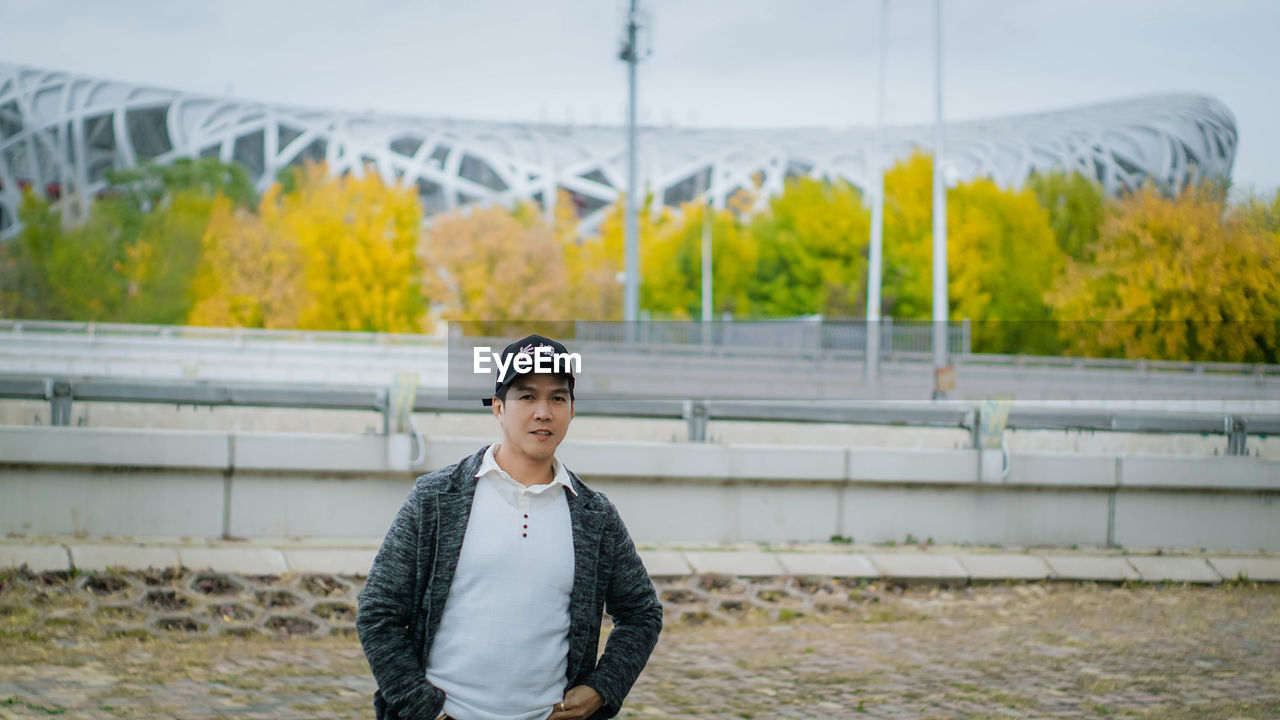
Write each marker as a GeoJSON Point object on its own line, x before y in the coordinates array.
{"type": "Point", "coordinates": [632, 602]}
{"type": "Point", "coordinates": [385, 617]}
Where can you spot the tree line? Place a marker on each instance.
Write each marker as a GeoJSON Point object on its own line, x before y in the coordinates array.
{"type": "Point", "coordinates": [1053, 267]}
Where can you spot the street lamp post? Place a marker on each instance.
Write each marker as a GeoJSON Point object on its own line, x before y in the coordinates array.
{"type": "Point", "coordinates": [940, 310]}
{"type": "Point", "coordinates": [631, 289]}
{"type": "Point", "coordinates": [706, 272]}
{"type": "Point", "coordinates": [877, 212]}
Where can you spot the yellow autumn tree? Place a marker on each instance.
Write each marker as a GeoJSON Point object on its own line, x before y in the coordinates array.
{"type": "Point", "coordinates": [591, 269]}
{"type": "Point", "coordinates": [502, 272]}
{"type": "Point", "coordinates": [338, 253]}
{"type": "Point", "coordinates": [595, 263]}
{"type": "Point", "coordinates": [1259, 214]}
{"type": "Point", "coordinates": [908, 215]}
{"type": "Point", "coordinates": [1001, 258]}
{"type": "Point", "coordinates": [358, 238]}
{"type": "Point", "coordinates": [1177, 278]}
{"type": "Point", "coordinates": [253, 272]}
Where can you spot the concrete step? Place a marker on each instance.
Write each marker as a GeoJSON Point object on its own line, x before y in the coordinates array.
{"type": "Point", "coordinates": [915, 563]}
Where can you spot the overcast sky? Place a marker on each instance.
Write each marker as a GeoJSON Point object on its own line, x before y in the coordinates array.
{"type": "Point", "coordinates": [761, 63]}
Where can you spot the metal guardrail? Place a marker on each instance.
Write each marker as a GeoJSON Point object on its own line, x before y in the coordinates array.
{"type": "Point", "coordinates": [61, 392]}
{"type": "Point", "coordinates": [840, 342]}
{"type": "Point", "coordinates": [809, 334]}
{"type": "Point", "coordinates": [93, 330]}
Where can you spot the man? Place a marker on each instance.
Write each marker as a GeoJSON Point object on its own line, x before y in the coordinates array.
{"type": "Point", "coordinates": [485, 600]}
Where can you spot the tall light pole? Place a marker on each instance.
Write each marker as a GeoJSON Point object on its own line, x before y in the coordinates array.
{"type": "Point", "coordinates": [877, 211]}
{"type": "Point", "coordinates": [940, 310]}
{"type": "Point", "coordinates": [706, 271]}
{"type": "Point", "coordinates": [631, 289]}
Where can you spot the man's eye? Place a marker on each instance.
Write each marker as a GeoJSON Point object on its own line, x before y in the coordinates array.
{"type": "Point", "coordinates": [526, 397]}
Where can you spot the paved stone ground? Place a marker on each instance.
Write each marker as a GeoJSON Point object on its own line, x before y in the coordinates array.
{"type": "Point", "coordinates": [1016, 650]}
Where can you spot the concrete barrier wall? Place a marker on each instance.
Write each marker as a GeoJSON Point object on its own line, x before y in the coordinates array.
{"type": "Point", "coordinates": [99, 500]}
{"type": "Point", "coordinates": [172, 483]}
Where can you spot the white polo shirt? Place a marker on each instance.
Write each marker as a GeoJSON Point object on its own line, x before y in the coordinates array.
{"type": "Point", "coordinates": [501, 651]}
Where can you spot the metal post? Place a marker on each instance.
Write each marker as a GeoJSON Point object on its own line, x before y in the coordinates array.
{"type": "Point", "coordinates": [1237, 436]}
{"type": "Point", "coordinates": [940, 310]}
{"type": "Point", "coordinates": [59, 395]}
{"type": "Point", "coordinates": [695, 413]}
{"type": "Point", "coordinates": [877, 213]}
{"type": "Point", "coordinates": [384, 407]}
{"type": "Point", "coordinates": [631, 290]}
{"type": "Point", "coordinates": [706, 273]}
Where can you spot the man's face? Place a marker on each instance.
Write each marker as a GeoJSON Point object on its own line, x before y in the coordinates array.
{"type": "Point", "coordinates": [535, 415]}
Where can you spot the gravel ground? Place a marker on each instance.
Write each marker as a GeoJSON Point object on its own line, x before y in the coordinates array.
{"type": "Point", "coordinates": [1018, 650]}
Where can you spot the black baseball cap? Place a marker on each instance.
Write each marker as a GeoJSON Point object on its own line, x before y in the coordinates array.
{"type": "Point", "coordinates": [530, 345]}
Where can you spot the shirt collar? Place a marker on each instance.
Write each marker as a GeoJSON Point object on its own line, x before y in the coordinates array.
{"type": "Point", "coordinates": [489, 464]}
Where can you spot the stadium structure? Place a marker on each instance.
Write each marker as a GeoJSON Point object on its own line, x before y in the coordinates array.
{"type": "Point", "coordinates": [61, 132]}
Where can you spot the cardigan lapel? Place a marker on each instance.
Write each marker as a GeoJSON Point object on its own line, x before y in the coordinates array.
{"type": "Point", "coordinates": [587, 524]}
{"type": "Point", "coordinates": [453, 510]}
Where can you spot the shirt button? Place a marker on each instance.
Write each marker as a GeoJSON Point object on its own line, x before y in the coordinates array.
{"type": "Point", "coordinates": [526, 515]}
{"type": "Point", "coordinates": [526, 527]}
{"type": "Point", "coordinates": [524, 535]}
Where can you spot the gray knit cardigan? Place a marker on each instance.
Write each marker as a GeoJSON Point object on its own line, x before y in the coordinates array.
{"type": "Point", "coordinates": [403, 601]}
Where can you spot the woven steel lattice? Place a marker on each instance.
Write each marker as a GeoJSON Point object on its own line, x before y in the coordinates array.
{"type": "Point", "coordinates": [61, 132]}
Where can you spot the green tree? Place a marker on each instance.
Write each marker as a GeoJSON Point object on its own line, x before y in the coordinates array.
{"type": "Point", "coordinates": [1075, 205]}
{"type": "Point", "coordinates": [672, 262]}
{"type": "Point", "coordinates": [54, 273]}
{"type": "Point", "coordinates": [811, 246]}
{"type": "Point", "coordinates": [144, 188]}
{"type": "Point", "coordinates": [159, 213]}
{"type": "Point", "coordinates": [160, 262]}
{"type": "Point", "coordinates": [25, 290]}
{"type": "Point", "coordinates": [134, 257]}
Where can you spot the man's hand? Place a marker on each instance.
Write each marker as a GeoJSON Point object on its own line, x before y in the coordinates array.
{"type": "Point", "coordinates": [580, 702]}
